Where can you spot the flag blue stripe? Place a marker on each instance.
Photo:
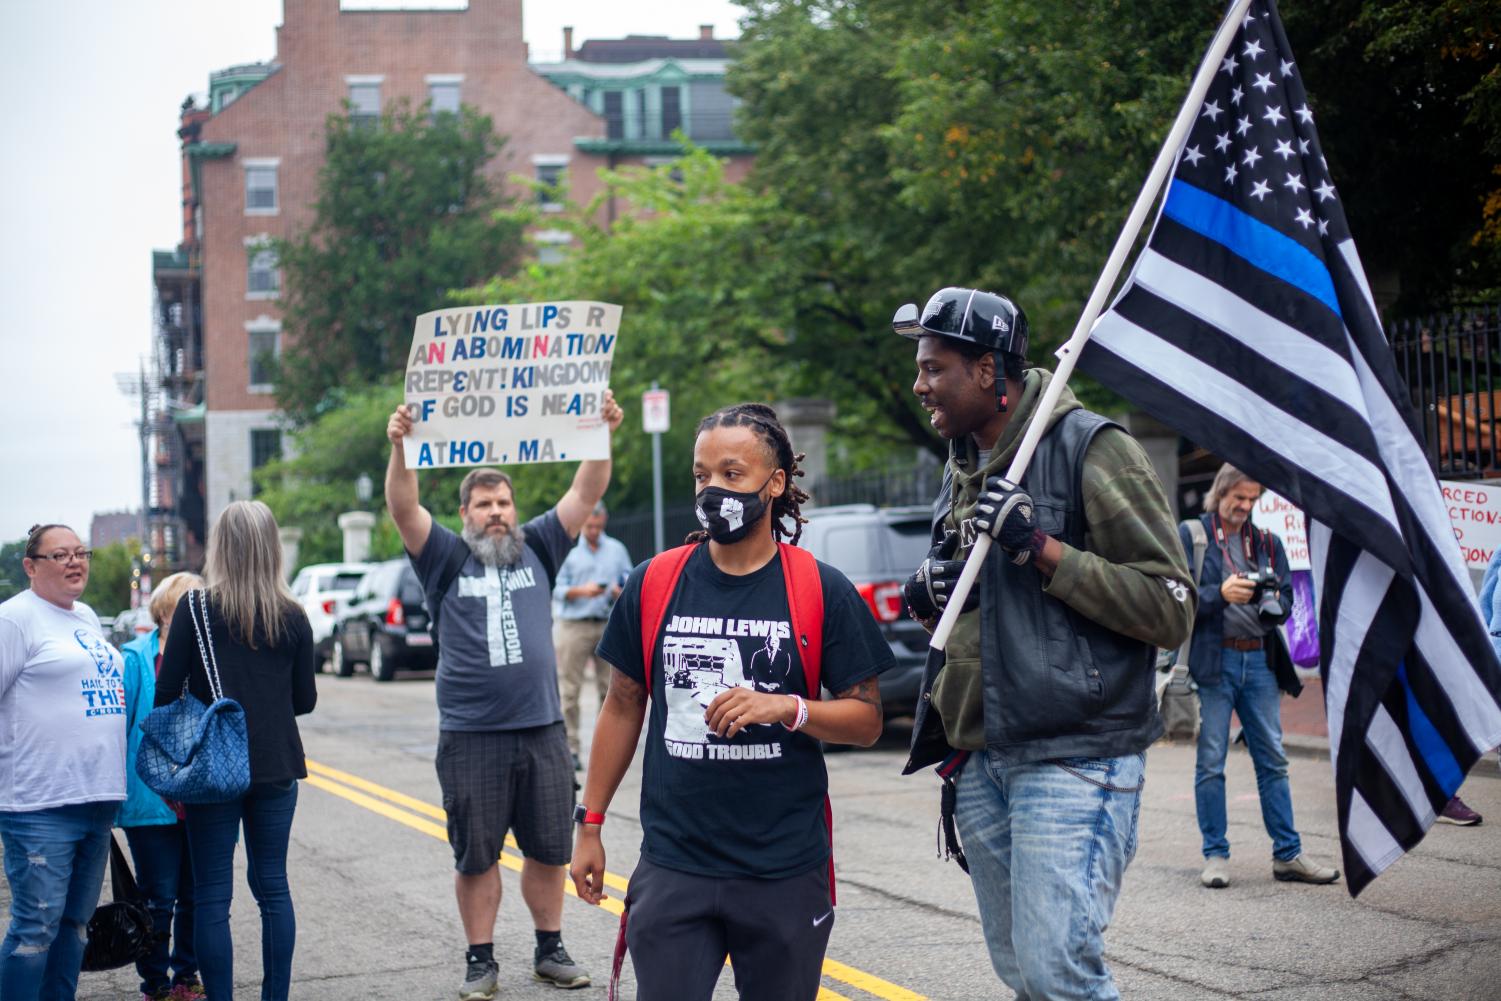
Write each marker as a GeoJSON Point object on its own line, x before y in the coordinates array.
{"type": "Point", "coordinates": [1251, 239]}
{"type": "Point", "coordinates": [1430, 743]}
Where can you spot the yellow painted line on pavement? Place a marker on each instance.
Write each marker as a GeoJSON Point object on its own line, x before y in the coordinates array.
{"type": "Point", "coordinates": [329, 779]}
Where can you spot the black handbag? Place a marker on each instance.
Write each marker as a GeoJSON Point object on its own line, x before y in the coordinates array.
{"type": "Point", "coordinates": [120, 932]}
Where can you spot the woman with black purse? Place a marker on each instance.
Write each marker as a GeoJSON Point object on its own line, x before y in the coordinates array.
{"type": "Point", "coordinates": [251, 633]}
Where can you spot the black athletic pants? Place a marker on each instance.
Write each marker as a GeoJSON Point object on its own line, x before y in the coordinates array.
{"type": "Point", "coordinates": [681, 927]}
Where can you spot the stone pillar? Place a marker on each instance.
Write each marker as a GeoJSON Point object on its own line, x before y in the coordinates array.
{"type": "Point", "coordinates": [291, 538]}
{"type": "Point", "coordinates": [1161, 445]}
{"type": "Point", "coordinates": [356, 526]}
{"type": "Point", "coordinates": [807, 420]}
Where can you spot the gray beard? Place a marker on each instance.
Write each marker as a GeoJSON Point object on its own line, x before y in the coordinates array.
{"type": "Point", "coordinates": [505, 551]}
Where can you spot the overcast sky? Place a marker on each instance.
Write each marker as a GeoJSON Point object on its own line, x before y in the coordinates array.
{"type": "Point", "coordinates": [89, 186]}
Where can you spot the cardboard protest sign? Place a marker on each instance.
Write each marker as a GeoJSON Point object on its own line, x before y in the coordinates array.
{"type": "Point", "coordinates": [514, 383]}
{"type": "Point", "coordinates": [1278, 516]}
{"type": "Point", "coordinates": [1474, 511]}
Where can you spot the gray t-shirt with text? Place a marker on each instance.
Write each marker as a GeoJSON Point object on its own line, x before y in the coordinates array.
{"type": "Point", "coordinates": [496, 666]}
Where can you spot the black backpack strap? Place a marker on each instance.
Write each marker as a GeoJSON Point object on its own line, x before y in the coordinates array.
{"type": "Point", "coordinates": [457, 557]}
{"type": "Point", "coordinates": [545, 558]}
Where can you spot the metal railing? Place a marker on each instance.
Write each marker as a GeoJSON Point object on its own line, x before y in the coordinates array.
{"type": "Point", "coordinates": [1449, 363]}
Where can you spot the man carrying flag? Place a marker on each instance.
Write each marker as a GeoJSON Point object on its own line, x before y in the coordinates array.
{"type": "Point", "coordinates": [1247, 324]}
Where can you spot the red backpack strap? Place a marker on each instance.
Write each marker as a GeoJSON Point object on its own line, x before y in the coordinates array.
{"type": "Point", "coordinates": [657, 586]}
{"type": "Point", "coordinates": [805, 602]}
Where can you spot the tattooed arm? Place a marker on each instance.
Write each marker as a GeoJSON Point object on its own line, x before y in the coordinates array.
{"type": "Point", "coordinates": [853, 716]}
{"type": "Point", "coordinates": [615, 736]}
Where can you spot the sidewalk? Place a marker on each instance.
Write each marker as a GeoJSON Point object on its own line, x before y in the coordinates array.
{"type": "Point", "coordinates": [1305, 731]}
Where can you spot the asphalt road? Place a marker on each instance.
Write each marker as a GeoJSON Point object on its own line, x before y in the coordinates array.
{"type": "Point", "coordinates": [372, 885]}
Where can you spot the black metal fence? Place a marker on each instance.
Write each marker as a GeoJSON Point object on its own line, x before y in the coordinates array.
{"type": "Point", "coordinates": [1450, 362]}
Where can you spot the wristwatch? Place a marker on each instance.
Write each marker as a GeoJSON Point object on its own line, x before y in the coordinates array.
{"type": "Point", "coordinates": [583, 815]}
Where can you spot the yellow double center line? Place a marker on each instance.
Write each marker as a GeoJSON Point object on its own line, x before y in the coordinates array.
{"type": "Point", "coordinates": [429, 819]}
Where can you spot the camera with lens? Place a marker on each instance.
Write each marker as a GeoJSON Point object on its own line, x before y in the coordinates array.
{"type": "Point", "coordinates": [1266, 597]}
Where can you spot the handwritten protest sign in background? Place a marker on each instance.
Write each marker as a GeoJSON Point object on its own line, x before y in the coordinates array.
{"type": "Point", "coordinates": [1474, 512]}
{"type": "Point", "coordinates": [522, 382]}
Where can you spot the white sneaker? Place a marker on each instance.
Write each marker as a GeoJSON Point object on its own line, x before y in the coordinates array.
{"type": "Point", "coordinates": [1216, 874]}
{"type": "Point", "coordinates": [1303, 870]}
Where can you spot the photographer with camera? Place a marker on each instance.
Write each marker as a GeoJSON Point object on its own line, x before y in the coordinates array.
{"type": "Point", "coordinates": [1239, 659]}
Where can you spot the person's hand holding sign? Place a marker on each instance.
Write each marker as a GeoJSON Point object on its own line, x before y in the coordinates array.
{"type": "Point", "coordinates": [400, 424]}
{"type": "Point", "coordinates": [611, 412]}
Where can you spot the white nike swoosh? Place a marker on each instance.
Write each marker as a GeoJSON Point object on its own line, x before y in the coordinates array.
{"type": "Point", "coordinates": [819, 921]}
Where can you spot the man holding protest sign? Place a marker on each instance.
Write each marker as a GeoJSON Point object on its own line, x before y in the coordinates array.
{"type": "Point", "coordinates": [503, 760]}
{"type": "Point", "coordinates": [1047, 677]}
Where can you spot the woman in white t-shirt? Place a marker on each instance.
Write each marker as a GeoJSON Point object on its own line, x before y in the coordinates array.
{"type": "Point", "coordinates": [62, 765]}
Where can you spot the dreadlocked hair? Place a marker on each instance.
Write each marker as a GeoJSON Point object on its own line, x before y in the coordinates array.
{"type": "Point", "coordinates": [763, 421]}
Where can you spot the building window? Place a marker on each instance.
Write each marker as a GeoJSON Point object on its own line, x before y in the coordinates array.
{"type": "Point", "coordinates": [550, 176]}
{"type": "Point", "coordinates": [265, 445]}
{"type": "Point", "coordinates": [641, 129]}
{"type": "Point", "coordinates": [552, 245]}
{"type": "Point", "coordinates": [263, 279]}
{"type": "Point", "coordinates": [614, 114]}
{"type": "Point", "coordinates": [261, 196]}
{"type": "Point", "coordinates": [264, 350]}
{"type": "Point", "coordinates": [364, 100]}
{"type": "Point", "coordinates": [444, 93]}
{"type": "Point", "coordinates": [672, 111]}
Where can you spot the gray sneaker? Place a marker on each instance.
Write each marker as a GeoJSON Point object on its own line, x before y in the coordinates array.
{"type": "Point", "coordinates": [1216, 874]}
{"type": "Point", "coordinates": [479, 981]}
{"type": "Point", "coordinates": [1303, 870]}
{"type": "Point", "coordinates": [559, 969]}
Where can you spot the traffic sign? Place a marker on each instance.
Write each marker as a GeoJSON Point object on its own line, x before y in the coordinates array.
{"type": "Point", "coordinates": [654, 411]}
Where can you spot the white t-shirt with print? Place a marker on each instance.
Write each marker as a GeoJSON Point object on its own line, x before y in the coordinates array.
{"type": "Point", "coordinates": [62, 707]}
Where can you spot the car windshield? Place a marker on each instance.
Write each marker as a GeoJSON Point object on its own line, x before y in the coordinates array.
{"type": "Point", "coordinates": [909, 543]}
{"type": "Point", "coordinates": [343, 581]}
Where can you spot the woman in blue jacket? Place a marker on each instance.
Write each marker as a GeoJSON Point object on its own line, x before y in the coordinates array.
{"type": "Point", "coordinates": [154, 828]}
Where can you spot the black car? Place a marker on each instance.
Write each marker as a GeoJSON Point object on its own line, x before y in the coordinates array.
{"type": "Point", "coordinates": [384, 624]}
{"type": "Point", "coordinates": [877, 549]}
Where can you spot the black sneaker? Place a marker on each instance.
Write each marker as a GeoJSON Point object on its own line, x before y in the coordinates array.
{"type": "Point", "coordinates": [559, 969]}
{"type": "Point", "coordinates": [479, 980]}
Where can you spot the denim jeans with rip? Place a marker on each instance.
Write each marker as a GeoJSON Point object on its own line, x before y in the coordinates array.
{"type": "Point", "coordinates": [54, 861]}
{"type": "Point", "coordinates": [1048, 844]}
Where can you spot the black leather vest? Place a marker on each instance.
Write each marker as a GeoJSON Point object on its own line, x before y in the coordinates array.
{"type": "Point", "coordinates": [1055, 683]}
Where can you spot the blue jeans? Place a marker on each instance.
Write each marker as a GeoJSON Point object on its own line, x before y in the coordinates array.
{"type": "Point", "coordinates": [1249, 687]}
{"type": "Point", "coordinates": [266, 812]}
{"type": "Point", "coordinates": [54, 862]}
{"type": "Point", "coordinates": [1048, 844]}
{"type": "Point", "coordinates": [164, 876]}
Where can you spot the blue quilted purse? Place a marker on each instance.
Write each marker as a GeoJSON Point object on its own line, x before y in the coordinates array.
{"type": "Point", "coordinates": [194, 753]}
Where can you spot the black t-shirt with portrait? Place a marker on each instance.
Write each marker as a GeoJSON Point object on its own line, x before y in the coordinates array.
{"type": "Point", "coordinates": [752, 805]}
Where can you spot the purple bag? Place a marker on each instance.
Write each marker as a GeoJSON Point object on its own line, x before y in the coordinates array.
{"type": "Point", "coordinates": [1302, 626]}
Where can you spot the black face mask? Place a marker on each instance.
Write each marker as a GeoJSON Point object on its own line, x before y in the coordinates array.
{"type": "Point", "coordinates": [728, 516]}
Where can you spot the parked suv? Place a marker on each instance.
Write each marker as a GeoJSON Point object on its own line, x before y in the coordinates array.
{"type": "Point", "coordinates": [877, 549]}
{"type": "Point", "coordinates": [384, 624]}
{"type": "Point", "coordinates": [321, 588]}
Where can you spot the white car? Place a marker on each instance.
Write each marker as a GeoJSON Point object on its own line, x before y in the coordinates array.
{"type": "Point", "coordinates": [321, 589]}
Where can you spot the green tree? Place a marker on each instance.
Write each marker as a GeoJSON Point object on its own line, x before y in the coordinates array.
{"type": "Point", "coordinates": [110, 574]}
{"type": "Point", "coordinates": [1408, 98]}
{"type": "Point", "coordinates": [13, 579]}
{"type": "Point", "coordinates": [405, 212]}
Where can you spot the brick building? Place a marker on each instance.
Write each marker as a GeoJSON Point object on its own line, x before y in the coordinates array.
{"type": "Point", "coordinates": [251, 157]}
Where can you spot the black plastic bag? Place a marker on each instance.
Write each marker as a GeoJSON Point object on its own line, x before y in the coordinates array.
{"type": "Point", "coordinates": [120, 932]}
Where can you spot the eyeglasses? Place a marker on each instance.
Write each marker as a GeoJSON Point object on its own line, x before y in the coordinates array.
{"type": "Point", "coordinates": [63, 558]}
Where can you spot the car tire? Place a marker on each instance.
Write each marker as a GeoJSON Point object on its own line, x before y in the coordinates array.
{"type": "Point", "coordinates": [342, 665]}
{"type": "Point", "coordinates": [382, 668]}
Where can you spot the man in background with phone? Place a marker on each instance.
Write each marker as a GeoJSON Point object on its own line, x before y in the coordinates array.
{"type": "Point", "coordinates": [588, 584]}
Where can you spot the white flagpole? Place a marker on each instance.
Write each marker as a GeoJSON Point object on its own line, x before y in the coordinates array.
{"type": "Point", "coordinates": [1068, 355]}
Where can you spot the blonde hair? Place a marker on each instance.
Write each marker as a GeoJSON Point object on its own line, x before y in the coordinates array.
{"type": "Point", "coordinates": [243, 569]}
{"type": "Point", "coordinates": [1227, 479]}
{"type": "Point", "coordinates": [169, 592]}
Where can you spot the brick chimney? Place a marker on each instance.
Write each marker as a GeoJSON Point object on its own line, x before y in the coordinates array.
{"type": "Point", "coordinates": [568, 42]}
{"type": "Point", "coordinates": [706, 33]}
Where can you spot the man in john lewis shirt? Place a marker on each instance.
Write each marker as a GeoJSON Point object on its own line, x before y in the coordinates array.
{"type": "Point", "coordinates": [502, 754]}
